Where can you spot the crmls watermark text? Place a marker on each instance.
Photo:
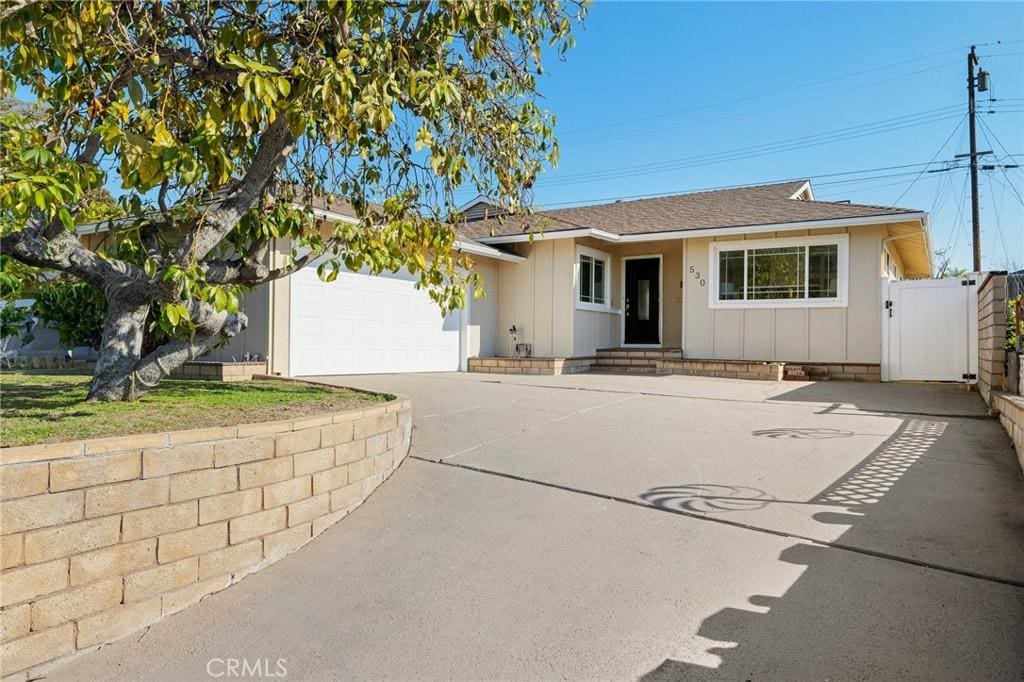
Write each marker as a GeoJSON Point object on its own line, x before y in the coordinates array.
{"type": "Point", "coordinates": [244, 667]}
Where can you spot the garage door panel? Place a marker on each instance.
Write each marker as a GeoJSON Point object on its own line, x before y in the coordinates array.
{"type": "Point", "coordinates": [368, 324]}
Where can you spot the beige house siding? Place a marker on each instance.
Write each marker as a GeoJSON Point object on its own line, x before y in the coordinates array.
{"type": "Point", "coordinates": [536, 297]}
{"type": "Point", "coordinates": [841, 334]}
{"type": "Point", "coordinates": [255, 338]}
{"type": "Point", "coordinates": [671, 253]}
{"type": "Point", "coordinates": [593, 330]}
{"type": "Point", "coordinates": [482, 327]}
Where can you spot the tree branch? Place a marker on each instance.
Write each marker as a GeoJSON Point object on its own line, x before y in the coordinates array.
{"type": "Point", "coordinates": [64, 252]}
{"type": "Point", "coordinates": [251, 273]}
{"type": "Point", "coordinates": [14, 6]}
{"type": "Point", "coordinates": [201, 66]}
{"type": "Point", "coordinates": [275, 146]}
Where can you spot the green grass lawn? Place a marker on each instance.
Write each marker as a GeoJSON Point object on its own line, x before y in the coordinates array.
{"type": "Point", "coordinates": [48, 407]}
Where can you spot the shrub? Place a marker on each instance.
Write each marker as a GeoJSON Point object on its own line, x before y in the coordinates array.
{"type": "Point", "coordinates": [75, 309]}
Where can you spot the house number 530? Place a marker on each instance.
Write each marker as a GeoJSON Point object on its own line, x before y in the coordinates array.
{"type": "Point", "coordinates": [697, 275]}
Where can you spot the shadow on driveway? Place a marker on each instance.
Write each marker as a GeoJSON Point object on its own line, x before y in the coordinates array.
{"type": "Point", "coordinates": [814, 631]}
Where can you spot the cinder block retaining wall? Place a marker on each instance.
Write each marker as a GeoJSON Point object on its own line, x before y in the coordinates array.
{"type": "Point", "coordinates": [530, 365]}
{"type": "Point", "coordinates": [730, 369]}
{"type": "Point", "coordinates": [991, 335]}
{"type": "Point", "coordinates": [104, 537]}
{"type": "Point", "coordinates": [766, 371]}
{"type": "Point", "coordinates": [220, 371]}
{"type": "Point", "coordinates": [1010, 409]}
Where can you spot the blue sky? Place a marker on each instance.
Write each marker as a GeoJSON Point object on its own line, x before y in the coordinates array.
{"type": "Point", "coordinates": [659, 82]}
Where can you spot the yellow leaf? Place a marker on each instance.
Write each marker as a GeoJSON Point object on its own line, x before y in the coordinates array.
{"type": "Point", "coordinates": [148, 169]}
{"type": "Point", "coordinates": [162, 137]}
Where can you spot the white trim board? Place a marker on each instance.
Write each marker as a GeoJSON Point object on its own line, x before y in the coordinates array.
{"type": "Point", "coordinates": [478, 249]}
{"type": "Point", "coordinates": [605, 307]}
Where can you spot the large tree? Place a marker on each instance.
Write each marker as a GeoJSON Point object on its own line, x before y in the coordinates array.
{"type": "Point", "coordinates": [225, 122]}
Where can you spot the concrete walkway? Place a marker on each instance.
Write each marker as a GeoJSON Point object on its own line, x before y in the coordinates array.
{"type": "Point", "coordinates": [607, 527]}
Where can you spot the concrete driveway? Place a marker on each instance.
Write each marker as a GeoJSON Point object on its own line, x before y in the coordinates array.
{"type": "Point", "coordinates": [610, 527]}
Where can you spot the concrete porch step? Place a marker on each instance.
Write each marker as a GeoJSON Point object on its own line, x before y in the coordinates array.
{"type": "Point", "coordinates": [651, 354]}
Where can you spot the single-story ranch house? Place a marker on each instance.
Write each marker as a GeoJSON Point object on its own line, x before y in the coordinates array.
{"type": "Point", "coordinates": [763, 273]}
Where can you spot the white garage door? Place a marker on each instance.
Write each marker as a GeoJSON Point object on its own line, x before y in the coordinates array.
{"type": "Point", "coordinates": [363, 324]}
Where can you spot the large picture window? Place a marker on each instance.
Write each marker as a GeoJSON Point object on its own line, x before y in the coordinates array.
{"type": "Point", "coordinates": [809, 271]}
{"type": "Point", "coordinates": [593, 268]}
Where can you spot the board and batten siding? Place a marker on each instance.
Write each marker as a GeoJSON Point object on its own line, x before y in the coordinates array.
{"type": "Point", "coordinates": [593, 330]}
{"type": "Point", "coordinates": [255, 338]}
{"type": "Point", "coordinates": [482, 328]}
{"type": "Point", "coordinates": [841, 334]}
{"type": "Point", "coordinates": [536, 297]}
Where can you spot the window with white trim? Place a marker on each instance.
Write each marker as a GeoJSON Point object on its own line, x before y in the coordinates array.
{"type": "Point", "coordinates": [593, 278]}
{"type": "Point", "coordinates": [808, 271]}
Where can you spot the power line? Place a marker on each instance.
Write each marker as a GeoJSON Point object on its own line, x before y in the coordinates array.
{"type": "Point", "coordinates": [943, 193]}
{"type": "Point", "coordinates": [811, 176]}
{"type": "Point", "coordinates": [999, 227]}
{"type": "Point", "coordinates": [711, 105]}
{"type": "Point", "coordinates": [958, 225]}
{"type": "Point", "coordinates": [645, 133]}
{"type": "Point", "coordinates": [904, 193]}
{"type": "Point", "coordinates": [985, 130]}
{"type": "Point", "coordinates": [847, 191]}
{"type": "Point", "coordinates": [791, 144]}
{"type": "Point", "coordinates": [764, 94]}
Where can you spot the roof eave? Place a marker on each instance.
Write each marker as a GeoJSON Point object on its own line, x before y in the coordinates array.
{"type": "Point", "coordinates": [696, 233]}
{"type": "Point", "coordinates": [475, 248]}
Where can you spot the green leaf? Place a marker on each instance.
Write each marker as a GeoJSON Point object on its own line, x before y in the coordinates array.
{"type": "Point", "coordinates": [66, 219]}
{"type": "Point", "coordinates": [171, 313]}
{"type": "Point", "coordinates": [135, 92]}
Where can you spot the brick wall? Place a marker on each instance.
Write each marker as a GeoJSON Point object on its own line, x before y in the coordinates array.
{"type": "Point", "coordinates": [219, 371]}
{"type": "Point", "coordinates": [1010, 409]}
{"type": "Point", "coordinates": [991, 335]}
{"type": "Point", "coordinates": [530, 365]}
{"type": "Point", "coordinates": [104, 537]}
{"type": "Point", "coordinates": [726, 369]}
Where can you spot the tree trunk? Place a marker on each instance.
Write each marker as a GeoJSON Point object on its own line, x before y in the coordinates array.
{"type": "Point", "coordinates": [120, 372]}
{"type": "Point", "coordinates": [213, 329]}
{"type": "Point", "coordinates": [120, 349]}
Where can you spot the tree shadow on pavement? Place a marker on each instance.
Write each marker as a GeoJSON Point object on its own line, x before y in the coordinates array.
{"type": "Point", "coordinates": [858, 614]}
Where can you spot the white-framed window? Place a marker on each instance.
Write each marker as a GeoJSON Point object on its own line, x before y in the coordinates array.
{"type": "Point", "coordinates": [593, 279]}
{"type": "Point", "coordinates": [779, 273]}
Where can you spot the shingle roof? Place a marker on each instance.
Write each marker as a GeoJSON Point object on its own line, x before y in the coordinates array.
{"type": "Point", "coordinates": [740, 207]}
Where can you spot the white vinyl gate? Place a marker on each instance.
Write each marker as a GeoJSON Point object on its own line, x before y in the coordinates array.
{"type": "Point", "coordinates": [930, 330]}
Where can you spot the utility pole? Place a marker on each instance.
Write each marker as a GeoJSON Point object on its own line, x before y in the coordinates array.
{"type": "Point", "coordinates": [972, 61]}
{"type": "Point", "coordinates": [974, 84]}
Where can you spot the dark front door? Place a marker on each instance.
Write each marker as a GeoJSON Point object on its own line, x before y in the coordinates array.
{"type": "Point", "coordinates": [643, 300]}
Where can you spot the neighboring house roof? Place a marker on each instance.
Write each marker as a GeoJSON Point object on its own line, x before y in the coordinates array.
{"type": "Point", "coordinates": [780, 203]}
{"type": "Point", "coordinates": [480, 208]}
